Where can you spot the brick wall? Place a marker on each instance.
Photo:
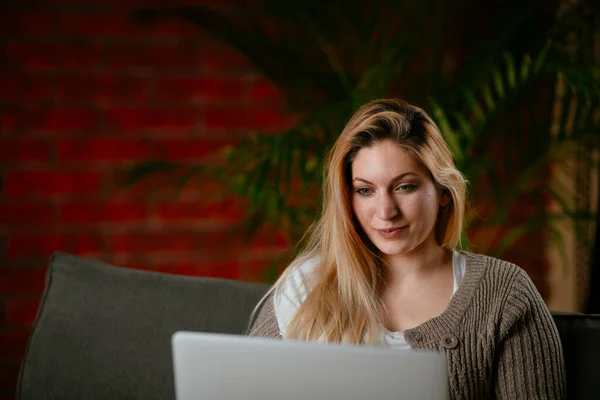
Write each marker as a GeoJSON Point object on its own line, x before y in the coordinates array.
{"type": "Point", "coordinates": [85, 92]}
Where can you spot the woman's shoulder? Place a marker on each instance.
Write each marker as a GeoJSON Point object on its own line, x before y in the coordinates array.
{"type": "Point", "coordinates": [505, 279]}
{"type": "Point", "coordinates": [494, 269]}
{"type": "Point", "coordinates": [292, 290]}
{"type": "Point", "coordinates": [297, 282]}
{"type": "Point", "coordinates": [508, 295]}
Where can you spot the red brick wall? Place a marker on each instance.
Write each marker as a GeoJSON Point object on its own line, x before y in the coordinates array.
{"type": "Point", "coordinates": [85, 92]}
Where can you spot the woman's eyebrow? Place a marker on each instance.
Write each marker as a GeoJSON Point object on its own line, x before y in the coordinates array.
{"type": "Point", "coordinates": [395, 179]}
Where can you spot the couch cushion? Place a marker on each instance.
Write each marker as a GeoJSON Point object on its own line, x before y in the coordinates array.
{"type": "Point", "coordinates": [104, 332]}
{"type": "Point", "coordinates": [580, 338]}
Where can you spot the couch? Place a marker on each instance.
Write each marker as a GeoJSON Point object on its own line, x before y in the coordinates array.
{"type": "Point", "coordinates": [103, 332]}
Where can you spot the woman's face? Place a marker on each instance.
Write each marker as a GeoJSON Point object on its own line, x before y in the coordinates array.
{"type": "Point", "coordinates": [394, 199]}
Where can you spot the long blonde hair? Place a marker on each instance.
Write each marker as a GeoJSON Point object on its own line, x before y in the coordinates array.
{"type": "Point", "coordinates": [343, 303]}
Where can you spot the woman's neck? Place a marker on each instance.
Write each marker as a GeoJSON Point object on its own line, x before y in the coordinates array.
{"type": "Point", "coordinates": [419, 263]}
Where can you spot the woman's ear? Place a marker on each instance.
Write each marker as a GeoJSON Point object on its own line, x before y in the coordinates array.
{"type": "Point", "coordinates": [445, 198]}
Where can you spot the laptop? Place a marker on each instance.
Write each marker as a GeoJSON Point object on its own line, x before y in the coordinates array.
{"type": "Point", "coordinates": [212, 366]}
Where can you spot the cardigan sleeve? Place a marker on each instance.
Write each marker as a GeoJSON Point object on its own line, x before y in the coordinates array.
{"type": "Point", "coordinates": [530, 363]}
{"type": "Point", "coordinates": [265, 324]}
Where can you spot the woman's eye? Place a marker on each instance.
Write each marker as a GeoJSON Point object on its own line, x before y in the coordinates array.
{"type": "Point", "coordinates": [363, 191]}
{"type": "Point", "coordinates": [407, 187]}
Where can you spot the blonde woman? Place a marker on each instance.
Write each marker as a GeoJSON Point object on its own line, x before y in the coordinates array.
{"type": "Point", "coordinates": [381, 267]}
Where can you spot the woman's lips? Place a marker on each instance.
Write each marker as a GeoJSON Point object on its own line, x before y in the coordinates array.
{"type": "Point", "coordinates": [391, 232]}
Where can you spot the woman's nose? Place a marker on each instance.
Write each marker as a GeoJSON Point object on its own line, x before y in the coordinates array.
{"type": "Point", "coordinates": [387, 208]}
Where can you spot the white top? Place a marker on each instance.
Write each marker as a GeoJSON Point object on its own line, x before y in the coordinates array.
{"type": "Point", "coordinates": [292, 293]}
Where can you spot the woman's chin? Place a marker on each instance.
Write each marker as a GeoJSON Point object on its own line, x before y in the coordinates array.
{"type": "Point", "coordinates": [393, 250]}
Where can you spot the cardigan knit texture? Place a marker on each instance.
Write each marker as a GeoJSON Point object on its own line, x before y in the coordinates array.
{"type": "Point", "coordinates": [497, 333]}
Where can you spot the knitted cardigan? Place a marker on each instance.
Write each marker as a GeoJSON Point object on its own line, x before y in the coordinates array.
{"type": "Point", "coordinates": [497, 333]}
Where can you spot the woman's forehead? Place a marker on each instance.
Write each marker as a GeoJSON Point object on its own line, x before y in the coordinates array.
{"type": "Point", "coordinates": [385, 159]}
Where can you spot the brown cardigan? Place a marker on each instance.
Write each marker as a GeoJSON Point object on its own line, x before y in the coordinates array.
{"type": "Point", "coordinates": [498, 335]}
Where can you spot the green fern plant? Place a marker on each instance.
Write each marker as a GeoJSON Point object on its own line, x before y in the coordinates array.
{"type": "Point", "coordinates": [327, 63]}
{"type": "Point", "coordinates": [571, 101]}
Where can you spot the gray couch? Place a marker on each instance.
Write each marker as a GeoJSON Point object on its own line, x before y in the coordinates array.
{"type": "Point", "coordinates": [103, 332]}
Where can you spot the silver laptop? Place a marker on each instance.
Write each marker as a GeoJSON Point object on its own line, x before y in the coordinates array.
{"type": "Point", "coordinates": [218, 366]}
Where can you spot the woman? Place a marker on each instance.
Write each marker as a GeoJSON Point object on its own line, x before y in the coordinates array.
{"type": "Point", "coordinates": [380, 266]}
